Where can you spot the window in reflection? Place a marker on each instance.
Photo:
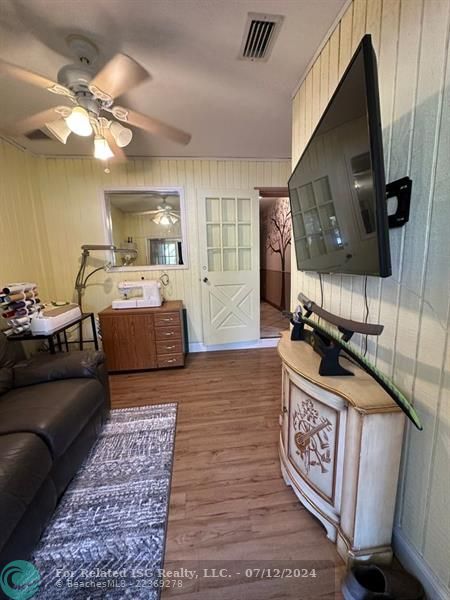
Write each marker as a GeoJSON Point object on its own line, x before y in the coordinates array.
{"type": "Point", "coordinates": [165, 252]}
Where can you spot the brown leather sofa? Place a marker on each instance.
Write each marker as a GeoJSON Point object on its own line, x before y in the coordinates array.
{"type": "Point", "coordinates": [52, 408]}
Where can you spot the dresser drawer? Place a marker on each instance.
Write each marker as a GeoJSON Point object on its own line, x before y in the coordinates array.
{"type": "Point", "coordinates": [170, 360]}
{"type": "Point", "coordinates": [169, 347]}
{"type": "Point", "coordinates": [171, 332]}
{"type": "Point", "coordinates": [168, 318]}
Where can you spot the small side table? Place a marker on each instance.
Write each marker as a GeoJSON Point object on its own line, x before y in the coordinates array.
{"type": "Point", "coordinates": [50, 337]}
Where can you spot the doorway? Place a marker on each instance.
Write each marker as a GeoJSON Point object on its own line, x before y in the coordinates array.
{"type": "Point", "coordinates": [275, 265]}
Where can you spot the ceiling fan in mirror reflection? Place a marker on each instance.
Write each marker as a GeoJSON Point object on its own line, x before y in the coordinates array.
{"type": "Point", "coordinates": [164, 214]}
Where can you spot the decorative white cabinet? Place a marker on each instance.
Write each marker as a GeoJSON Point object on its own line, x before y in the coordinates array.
{"type": "Point", "coordinates": [340, 446]}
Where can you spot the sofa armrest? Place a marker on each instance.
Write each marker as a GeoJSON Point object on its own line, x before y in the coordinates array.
{"type": "Point", "coordinates": [71, 365]}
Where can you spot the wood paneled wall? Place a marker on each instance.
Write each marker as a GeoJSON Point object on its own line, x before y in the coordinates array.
{"type": "Point", "coordinates": [71, 204]}
{"type": "Point", "coordinates": [411, 40]}
{"type": "Point", "coordinates": [51, 206]}
{"type": "Point", "coordinates": [23, 251]}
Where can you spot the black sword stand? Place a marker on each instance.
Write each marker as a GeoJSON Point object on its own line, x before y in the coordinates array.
{"type": "Point", "coordinates": [330, 352]}
{"type": "Point", "coordinates": [324, 346]}
{"type": "Point", "coordinates": [328, 348]}
{"type": "Point", "coordinates": [297, 332]}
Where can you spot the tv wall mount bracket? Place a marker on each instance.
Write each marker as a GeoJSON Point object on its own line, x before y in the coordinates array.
{"type": "Point", "coordinates": [400, 189]}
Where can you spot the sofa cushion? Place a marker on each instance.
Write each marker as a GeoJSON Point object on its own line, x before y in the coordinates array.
{"type": "Point", "coordinates": [64, 365]}
{"type": "Point", "coordinates": [6, 352]}
{"type": "Point", "coordinates": [6, 379]}
{"type": "Point", "coordinates": [6, 363]}
{"type": "Point", "coordinates": [25, 462]}
{"type": "Point", "coordinates": [55, 411]}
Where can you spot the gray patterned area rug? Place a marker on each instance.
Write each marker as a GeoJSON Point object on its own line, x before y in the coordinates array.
{"type": "Point", "coordinates": [107, 537]}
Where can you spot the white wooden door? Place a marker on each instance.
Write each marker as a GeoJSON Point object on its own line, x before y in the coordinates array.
{"type": "Point", "coordinates": [229, 254]}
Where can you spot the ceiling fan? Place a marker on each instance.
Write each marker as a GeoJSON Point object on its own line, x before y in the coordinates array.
{"type": "Point", "coordinates": [93, 95]}
{"type": "Point", "coordinates": [165, 214]}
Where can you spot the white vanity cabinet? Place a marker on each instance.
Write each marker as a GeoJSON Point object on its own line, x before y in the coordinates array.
{"type": "Point", "coordinates": [340, 446]}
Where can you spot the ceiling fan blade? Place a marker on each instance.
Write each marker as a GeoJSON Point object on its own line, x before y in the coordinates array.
{"type": "Point", "coordinates": [151, 125]}
{"type": "Point", "coordinates": [36, 121]}
{"type": "Point", "coordinates": [119, 154]}
{"type": "Point", "coordinates": [33, 78]}
{"type": "Point", "coordinates": [119, 75]}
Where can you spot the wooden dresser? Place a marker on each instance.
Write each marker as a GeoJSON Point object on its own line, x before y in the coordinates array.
{"type": "Point", "coordinates": [340, 446]}
{"type": "Point", "coordinates": [143, 338]}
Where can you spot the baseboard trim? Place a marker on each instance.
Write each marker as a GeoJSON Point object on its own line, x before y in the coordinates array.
{"type": "Point", "coordinates": [263, 343]}
{"type": "Point", "coordinates": [416, 565]}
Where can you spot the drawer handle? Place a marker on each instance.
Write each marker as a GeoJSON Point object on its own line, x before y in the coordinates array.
{"type": "Point", "coordinates": [170, 347]}
{"type": "Point", "coordinates": [167, 319]}
{"type": "Point", "coordinates": [171, 360]}
{"type": "Point", "coordinates": [169, 333]}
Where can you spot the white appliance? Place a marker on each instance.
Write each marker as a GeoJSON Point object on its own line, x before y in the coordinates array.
{"type": "Point", "coordinates": [52, 318]}
{"type": "Point", "coordinates": [151, 294]}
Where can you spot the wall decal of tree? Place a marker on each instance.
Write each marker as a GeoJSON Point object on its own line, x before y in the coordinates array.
{"type": "Point", "coordinates": [278, 238]}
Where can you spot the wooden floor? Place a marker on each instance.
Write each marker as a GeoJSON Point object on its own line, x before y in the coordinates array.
{"type": "Point", "coordinates": [228, 500]}
{"type": "Point", "coordinates": [271, 321]}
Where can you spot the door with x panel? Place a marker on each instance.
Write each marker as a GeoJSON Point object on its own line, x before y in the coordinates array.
{"type": "Point", "coordinates": [229, 226]}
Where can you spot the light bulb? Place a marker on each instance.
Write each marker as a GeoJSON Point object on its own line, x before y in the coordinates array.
{"type": "Point", "coordinates": [164, 220]}
{"type": "Point", "coordinates": [101, 148]}
{"type": "Point", "coordinates": [78, 121]}
{"type": "Point", "coordinates": [122, 136]}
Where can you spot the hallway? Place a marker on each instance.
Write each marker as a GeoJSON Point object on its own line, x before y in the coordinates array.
{"type": "Point", "coordinates": [272, 321]}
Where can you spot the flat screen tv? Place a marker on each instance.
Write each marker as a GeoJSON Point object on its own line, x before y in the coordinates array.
{"type": "Point", "coordinates": [337, 189]}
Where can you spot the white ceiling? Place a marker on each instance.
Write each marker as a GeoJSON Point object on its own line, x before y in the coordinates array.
{"type": "Point", "coordinates": [131, 203]}
{"type": "Point", "coordinates": [232, 108]}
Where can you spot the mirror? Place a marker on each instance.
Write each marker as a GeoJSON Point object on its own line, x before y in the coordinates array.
{"type": "Point", "coordinates": [150, 224]}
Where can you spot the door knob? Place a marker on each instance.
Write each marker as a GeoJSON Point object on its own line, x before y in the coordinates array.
{"type": "Point", "coordinates": [205, 280]}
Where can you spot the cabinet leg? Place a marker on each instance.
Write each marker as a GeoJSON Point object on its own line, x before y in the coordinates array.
{"type": "Point", "coordinates": [285, 476]}
{"type": "Point", "coordinates": [381, 555]}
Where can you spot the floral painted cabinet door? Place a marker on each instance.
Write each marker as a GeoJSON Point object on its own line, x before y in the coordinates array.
{"type": "Point", "coordinates": [312, 441]}
{"type": "Point", "coordinates": [314, 426]}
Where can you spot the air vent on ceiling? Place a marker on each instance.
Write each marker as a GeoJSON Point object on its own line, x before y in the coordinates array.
{"type": "Point", "coordinates": [38, 134]}
{"type": "Point", "coordinates": [260, 33]}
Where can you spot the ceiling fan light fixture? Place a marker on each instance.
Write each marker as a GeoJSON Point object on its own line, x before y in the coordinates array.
{"type": "Point", "coordinates": [59, 129]}
{"type": "Point", "coordinates": [165, 219]}
{"type": "Point", "coordinates": [102, 150]}
{"type": "Point", "coordinates": [78, 122]}
{"type": "Point", "coordinates": [122, 135]}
